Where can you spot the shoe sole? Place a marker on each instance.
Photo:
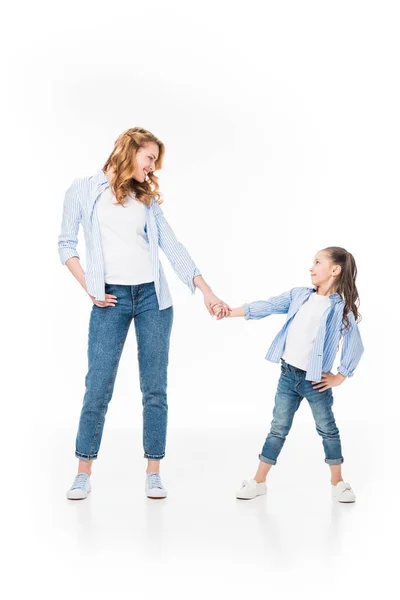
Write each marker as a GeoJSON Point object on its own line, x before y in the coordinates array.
{"type": "Point", "coordinates": [83, 498]}
{"type": "Point", "coordinates": [156, 497]}
{"type": "Point", "coordinates": [250, 497]}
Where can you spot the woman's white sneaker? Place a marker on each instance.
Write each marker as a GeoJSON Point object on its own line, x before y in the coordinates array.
{"type": "Point", "coordinates": [250, 489]}
{"type": "Point", "coordinates": [154, 487]}
{"type": "Point", "coordinates": [80, 488]}
{"type": "Point", "coordinates": [342, 492]}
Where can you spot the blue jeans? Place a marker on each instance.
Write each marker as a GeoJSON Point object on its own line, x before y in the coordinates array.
{"type": "Point", "coordinates": [108, 328]}
{"type": "Point", "coordinates": [292, 388]}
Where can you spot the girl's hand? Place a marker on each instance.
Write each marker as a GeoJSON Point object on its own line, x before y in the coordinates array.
{"type": "Point", "coordinates": [211, 300]}
{"type": "Point", "coordinates": [218, 310]}
{"type": "Point", "coordinates": [328, 380]}
{"type": "Point", "coordinates": [109, 301]}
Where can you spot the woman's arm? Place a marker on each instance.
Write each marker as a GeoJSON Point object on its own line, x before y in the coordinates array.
{"type": "Point", "coordinates": [182, 262]}
{"type": "Point", "coordinates": [71, 218]}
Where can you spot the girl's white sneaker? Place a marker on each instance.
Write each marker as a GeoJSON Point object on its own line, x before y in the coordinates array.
{"type": "Point", "coordinates": [80, 488]}
{"type": "Point", "coordinates": [154, 486]}
{"type": "Point", "coordinates": [250, 489]}
{"type": "Point", "coordinates": [342, 492]}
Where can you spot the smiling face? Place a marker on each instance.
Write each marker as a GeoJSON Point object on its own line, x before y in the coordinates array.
{"type": "Point", "coordinates": [146, 158]}
{"type": "Point", "coordinates": [324, 272]}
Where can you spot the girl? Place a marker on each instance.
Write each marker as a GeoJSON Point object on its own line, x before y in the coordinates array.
{"type": "Point", "coordinates": [317, 318]}
{"type": "Point", "coordinates": [119, 208]}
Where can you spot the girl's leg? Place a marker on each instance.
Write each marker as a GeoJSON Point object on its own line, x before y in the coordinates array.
{"type": "Point", "coordinates": [287, 401]}
{"type": "Point", "coordinates": [336, 474]}
{"type": "Point", "coordinates": [321, 407]}
{"type": "Point", "coordinates": [153, 331]}
{"type": "Point", "coordinates": [108, 329]}
{"type": "Point", "coordinates": [85, 466]}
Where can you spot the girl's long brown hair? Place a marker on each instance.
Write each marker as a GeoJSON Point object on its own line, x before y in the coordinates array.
{"type": "Point", "coordinates": [123, 162]}
{"type": "Point", "coordinates": [346, 283]}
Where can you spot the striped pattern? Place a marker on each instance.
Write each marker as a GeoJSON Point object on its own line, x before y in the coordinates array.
{"type": "Point", "coordinates": [80, 207]}
{"type": "Point", "coordinates": [329, 334]}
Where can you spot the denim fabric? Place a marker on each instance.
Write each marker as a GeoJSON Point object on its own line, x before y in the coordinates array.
{"type": "Point", "coordinates": [108, 329]}
{"type": "Point", "coordinates": [292, 388]}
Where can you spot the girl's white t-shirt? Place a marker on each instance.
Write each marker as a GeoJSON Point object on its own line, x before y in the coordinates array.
{"type": "Point", "coordinates": [126, 252]}
{"type": "Point", "coordinates": [303, 330]}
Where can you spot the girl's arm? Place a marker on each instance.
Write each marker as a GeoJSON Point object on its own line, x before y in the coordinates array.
{"type": "Point", "coordinates": [261, 308]}
{"type": "Point", "coordinates": [352, 349]}
{"type": "Point", "coordinates": [237, 312]}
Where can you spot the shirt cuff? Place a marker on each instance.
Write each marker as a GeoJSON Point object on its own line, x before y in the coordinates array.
{"type": "Point", "coordinates": [191, 283]}
{"type": "Point", "coordinates": [66, 253]}
{"type": "Point", "coordinates": [345, 372]}
{"type": "Point", "coordinates": [247, 313]}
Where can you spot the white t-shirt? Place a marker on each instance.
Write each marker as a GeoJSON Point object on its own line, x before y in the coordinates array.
{"type": "Point", "coordinates": [303, 330]}
{"type": "Point", "coordinates": [126, 252]}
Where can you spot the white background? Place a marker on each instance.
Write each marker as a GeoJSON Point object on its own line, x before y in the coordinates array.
{"type": "Point", "coordinates": [281, 127]}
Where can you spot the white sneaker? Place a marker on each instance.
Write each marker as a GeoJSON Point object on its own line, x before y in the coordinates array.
{"type": "Point", "coordinates": [80, 488]}
{"type": "Point", "coordinates": [154, 487]}
{"type": "Point", "coordinates": [250, 489]}
{"type": "Point", "coordinates": [342, 492]}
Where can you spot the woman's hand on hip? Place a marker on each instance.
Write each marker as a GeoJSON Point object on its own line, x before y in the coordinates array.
{"type": "Point", "coordinates": [109, 301]}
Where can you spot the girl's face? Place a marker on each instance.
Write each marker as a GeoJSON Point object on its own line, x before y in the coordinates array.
{"type": "Point", "coordinates": [324, 271]}
{"type": "Point", "coordinates": [146, 158]}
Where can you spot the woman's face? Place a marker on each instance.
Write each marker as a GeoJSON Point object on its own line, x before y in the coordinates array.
{"type": "Point", "coordinates": [146, 158]}
{"type": "Point", "coordinates": [323, 271]}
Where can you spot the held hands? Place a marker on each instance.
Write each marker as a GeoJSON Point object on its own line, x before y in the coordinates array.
{"type": "Point", "coordinates": [328, 380]}
{"type": "Point", "coordinates": [221, 310]}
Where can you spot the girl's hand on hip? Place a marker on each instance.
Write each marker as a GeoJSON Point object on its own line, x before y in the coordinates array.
{"type": "Point", "coordinates": [109, 301]}
{"type": "Point", "coordinates": [328, 380]}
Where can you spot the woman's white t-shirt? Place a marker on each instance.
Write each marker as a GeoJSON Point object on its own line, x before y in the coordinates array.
{"type": "Point", "coordinates": [126, 252]}
{"type": "Point", "coordinates": [303, 330]}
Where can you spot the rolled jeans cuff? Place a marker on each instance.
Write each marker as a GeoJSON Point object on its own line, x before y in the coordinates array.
{"type": "Point", "coordinates": [153, 457]}
{"type": "Point", "coordinates": [86, 457]}
{"type": "Point", "coordinates": [270, 461]}
{"type": "Point", "coordinates": [334, 461]}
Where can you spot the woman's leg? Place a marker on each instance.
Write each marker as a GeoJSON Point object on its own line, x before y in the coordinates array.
{"type": "Point", "coordinates": [153, 330]}
{"type": "Point", "coordinates": [108, 329]}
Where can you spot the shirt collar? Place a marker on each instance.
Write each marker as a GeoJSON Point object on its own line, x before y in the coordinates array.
{"type": "Point", "coordinates": [335, 297]}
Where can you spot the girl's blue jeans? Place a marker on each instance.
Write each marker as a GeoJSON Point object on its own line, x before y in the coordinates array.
{"type": "Point", "coordinates": [292, 388]}
{"type": "Point", "coordinates": [108, 328]}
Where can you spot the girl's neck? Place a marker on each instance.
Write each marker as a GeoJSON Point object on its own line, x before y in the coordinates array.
{"type": "Point", "coordinates": [325, 290]}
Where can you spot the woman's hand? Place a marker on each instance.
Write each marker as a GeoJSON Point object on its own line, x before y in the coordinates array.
{"type": "Point", "coordinates": [328, 380]}
{"type": "Point", "coordinates": [109, 301]}
{"type": "Point", "coordinates": [210, 300]}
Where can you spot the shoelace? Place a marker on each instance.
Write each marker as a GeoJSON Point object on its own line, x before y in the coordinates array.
{"type": "Point", "coordinates": [80, 481]}
{"type": "Point", "coordinates": [154, 481]}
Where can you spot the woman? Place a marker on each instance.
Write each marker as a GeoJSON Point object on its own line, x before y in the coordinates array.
{"type": "Point", "coordinates": [119, 208]}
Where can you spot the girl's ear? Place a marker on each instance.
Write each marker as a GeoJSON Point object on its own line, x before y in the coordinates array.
{"type": "Point", "coordinates": [337, 270]}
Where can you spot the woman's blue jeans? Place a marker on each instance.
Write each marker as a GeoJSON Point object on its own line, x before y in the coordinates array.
{"type": "Point", "coordinates": [108, 328]}
{"type": "Point", "coordinates": [292, 388]}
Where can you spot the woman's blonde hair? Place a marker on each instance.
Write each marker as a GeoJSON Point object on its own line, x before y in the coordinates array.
{"type": "Point", "coordinates": [122, 161]}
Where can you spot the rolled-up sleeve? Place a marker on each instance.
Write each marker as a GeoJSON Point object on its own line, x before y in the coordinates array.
{"type": "Point", "coordinates": [263, 308]}
{"type": "Point", "coordinates": [178, 256]}
{"type": "Point", "coordinates": [352, 349]}
{"type": "Point", "coordinates": [71, 218]}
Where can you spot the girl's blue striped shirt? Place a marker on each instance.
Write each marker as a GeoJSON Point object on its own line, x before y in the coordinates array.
{"type": "Point", "coordinates": [326, 343]}
{"type": "Point", "coordinates": [80, 207]}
